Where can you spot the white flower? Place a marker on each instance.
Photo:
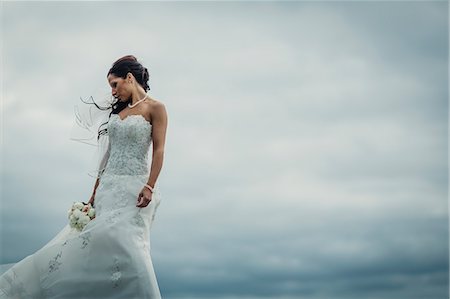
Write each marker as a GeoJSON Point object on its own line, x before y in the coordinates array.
{"type": "Point", "coordinates": [91, 212]}
{"type": "Point", "coordinates": [78, 205]}
{"type": "Point", "coordinates": [73, 221]}
{"type": "Point", "coordinates": [84, 220]}
{"type": "Point", "coordinates": [77, 214]}
{"type": "Point", "coordinates": [79, 218]}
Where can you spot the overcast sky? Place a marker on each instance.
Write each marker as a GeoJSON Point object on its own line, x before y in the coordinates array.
{"type": "Point", "coordinates": [306, 152]}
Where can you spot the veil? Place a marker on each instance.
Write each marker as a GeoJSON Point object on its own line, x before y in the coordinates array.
{"type": "Point", "coordinates": [90, 127]}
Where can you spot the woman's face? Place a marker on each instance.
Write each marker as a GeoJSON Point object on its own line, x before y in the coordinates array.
{"type": "Point", "coordinates": [119, 87]}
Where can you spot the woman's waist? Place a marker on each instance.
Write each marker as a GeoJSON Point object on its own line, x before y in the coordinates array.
{"type": "Point", "coordinates": [127, 165]}
{"type": "Point", "coordinates": [126, 169]}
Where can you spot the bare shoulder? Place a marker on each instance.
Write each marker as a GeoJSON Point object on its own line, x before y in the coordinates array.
{"type": "Point", "coordinates": [156, 104]}
{"type": "Point", "coordinates": [156, 109]}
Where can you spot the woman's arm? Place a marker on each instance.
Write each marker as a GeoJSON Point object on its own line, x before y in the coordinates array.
{"type": "Point", "coordinates": [91, 201]}
{"type": "Point", "coordinates": [159, 128]}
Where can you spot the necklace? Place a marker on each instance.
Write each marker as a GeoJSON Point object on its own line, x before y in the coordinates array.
{"type": "Point", "coordinates": [135, 104]}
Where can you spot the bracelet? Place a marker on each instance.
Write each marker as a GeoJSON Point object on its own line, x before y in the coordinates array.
{"type": "Point", "coordinates": [149, 187]}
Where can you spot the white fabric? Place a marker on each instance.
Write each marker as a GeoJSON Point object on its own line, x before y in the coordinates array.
{"type": "Point", "coordinates": [111, 257]}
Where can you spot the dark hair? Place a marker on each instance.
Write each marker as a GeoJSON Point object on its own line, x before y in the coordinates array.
{"type": "Point", "coordinates": [120, 68]}
{"type": "Point", "coordinates": [129, 64]}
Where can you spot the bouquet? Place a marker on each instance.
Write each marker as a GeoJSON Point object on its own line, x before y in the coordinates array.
{"type": "Point", "coordinates": [80, 214]}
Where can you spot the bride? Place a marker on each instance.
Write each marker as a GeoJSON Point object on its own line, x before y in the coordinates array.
{"type": "Point", "coordinates": [110, 256]}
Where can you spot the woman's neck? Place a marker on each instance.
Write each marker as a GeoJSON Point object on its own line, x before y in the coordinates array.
{"type": "Point", "coordinates": [138, 96]}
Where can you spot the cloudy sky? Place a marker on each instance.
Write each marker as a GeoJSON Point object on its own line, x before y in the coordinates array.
{"type": "Point", "coordinates": [306, 154]}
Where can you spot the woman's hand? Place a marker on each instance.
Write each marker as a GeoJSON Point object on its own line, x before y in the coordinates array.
{"type": "Point", "coordinates": [144, 198]}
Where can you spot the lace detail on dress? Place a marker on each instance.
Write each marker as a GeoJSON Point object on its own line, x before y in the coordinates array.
{"type": "Point", "coordinates": [86, 237]}
{"type": "Point", "coordinates": [54, 263]}
{"type": "Point", "coordinates": [130, 142]}
{"type": "Point", "coordinates": [158, 202]}
{"type": "Point", "coordinates": [16, 287]}
{"type": "Point", "coordinates": [138, 220]}
{"type": "Point", "coordinates": [113, 217]}
{"type": "Point", "coordinates": [119, 189]}
{"type": "Point", "coordinates": [121, 195]}
{"type": "Point", "coordinates": [116, 274]}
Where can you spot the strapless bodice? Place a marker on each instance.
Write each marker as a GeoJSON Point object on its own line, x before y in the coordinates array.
{"type": "Point", "coordinates": [130, 141]}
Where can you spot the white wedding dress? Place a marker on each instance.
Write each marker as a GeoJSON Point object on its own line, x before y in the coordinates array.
{"type": "Point", "coordinates": [110, 257]}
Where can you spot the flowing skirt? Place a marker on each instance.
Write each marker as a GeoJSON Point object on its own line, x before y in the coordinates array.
{"type": "Point", "coordinates": [109, 258]}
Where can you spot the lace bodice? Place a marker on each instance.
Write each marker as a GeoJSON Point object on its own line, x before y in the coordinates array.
{"type": "Point", "coordinates": [130, 141]}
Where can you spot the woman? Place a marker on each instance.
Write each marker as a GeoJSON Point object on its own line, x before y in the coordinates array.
{"type": "Point", "coordinates": [110, 257]}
